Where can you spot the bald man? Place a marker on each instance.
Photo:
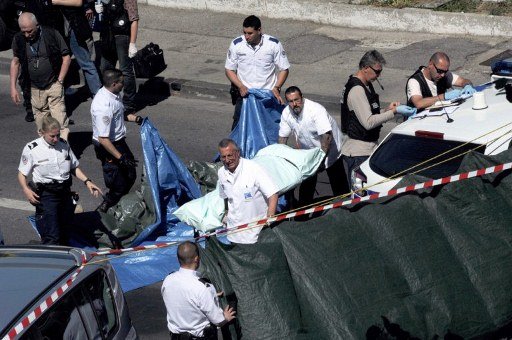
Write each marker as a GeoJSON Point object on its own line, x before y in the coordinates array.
{"type": "Point", "coordinates": [432, 83]}
{"type": "Point", "coordinates": [193, 310]}
{"type": "Point", "coordinates": [42, 53]}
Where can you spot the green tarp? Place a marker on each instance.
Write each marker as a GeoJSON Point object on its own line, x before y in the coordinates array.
{"type": "Point", "coordinates": [432, 262]}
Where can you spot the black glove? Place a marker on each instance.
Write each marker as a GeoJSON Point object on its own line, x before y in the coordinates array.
{"type": "Point", "coordinates": [126, 162]}
{"type": "Point", "coordinates": [139, 120]}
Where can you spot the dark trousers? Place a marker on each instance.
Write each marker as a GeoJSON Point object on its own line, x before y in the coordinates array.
{"type": "Point", "coordinates": [54, 214]}
{"type": "Point", "coordinates": [350, 163]}
{"type": "Point", "coordinates": [24, 81]}
{"type": "Point", "coordinates": [118, 51]}
{"type": "Point", "coordinates": [337, 179]}
{"type": "Point", "coordinates": [238, 108]}
{"type": "Point", "coordinates": [119, 180]}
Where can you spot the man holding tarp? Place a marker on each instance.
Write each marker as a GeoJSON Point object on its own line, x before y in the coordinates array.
{"type": "Point", "coordinates": [255, 60]}
{"type": "Point", "coordinates": [248, 191]}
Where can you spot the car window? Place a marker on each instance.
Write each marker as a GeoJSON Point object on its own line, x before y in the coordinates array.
{"type": "Point", "coordinates": [402, 152]}
{"type": "Point", "coordinates": [86, 312]}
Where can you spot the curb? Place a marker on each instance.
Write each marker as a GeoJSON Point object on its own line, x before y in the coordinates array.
{"type": "Point", "coordinates": [336, 13]}
{"type": "Point", "coordinates": [203, 90]}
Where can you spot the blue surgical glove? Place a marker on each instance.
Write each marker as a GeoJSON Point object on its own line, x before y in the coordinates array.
{"type": "Point", "coordinates": [452, 94]}
{"type": "Point", "coordinates": [468, 90]}
{"type": "Point", "coordinates": [405, 110]}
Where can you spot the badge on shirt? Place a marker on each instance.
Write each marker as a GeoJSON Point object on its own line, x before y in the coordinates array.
{"type": "Point", "coordinates": [247, 196]}
{"type": "Point", "coordinates": [375, 106]}
{"type": "Point", "coordinates": [24, 160]}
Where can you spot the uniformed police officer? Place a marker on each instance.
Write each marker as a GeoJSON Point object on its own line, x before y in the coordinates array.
{"type": "Point", "coordinates": [108, 133]}
{"type": "Point", "coordinates": [193, 310]}
{"type": "Point", "coordinates": [50, 160]}
{"type": "Point", "coordinates": [255, 60]}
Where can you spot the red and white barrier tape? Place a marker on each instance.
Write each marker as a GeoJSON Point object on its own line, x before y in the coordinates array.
{"type": "Point", "coordinates": [424, 185]}
{"type": "Point", "coordinates": [39, 310]}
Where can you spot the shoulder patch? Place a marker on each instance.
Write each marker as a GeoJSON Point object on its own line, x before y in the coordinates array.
{"type": "Point", "coordinates": [32, 145]}
{"type": "Point", "coordinates": [274, 40]}
{"type": "Point", "coordinates": [205, 281]}
{"type": "Point", "coordinates": [237, 40]}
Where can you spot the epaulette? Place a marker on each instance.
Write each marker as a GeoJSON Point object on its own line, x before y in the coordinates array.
{"type": "Point", "coordinates": [274, 40]}
{"type": "Point", "coordinates": [32, 145]}
{"type": "Point", "coordinates": [237, 40]}
{"type": "Point", "coordinates": [205, 281]}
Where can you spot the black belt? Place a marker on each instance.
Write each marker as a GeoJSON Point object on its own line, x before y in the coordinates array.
{"type": "Point", "coordinates": [185, 336]}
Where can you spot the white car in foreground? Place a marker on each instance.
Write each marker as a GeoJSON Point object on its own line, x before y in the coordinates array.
{"type": "Point", "coordinates": [420, 143]}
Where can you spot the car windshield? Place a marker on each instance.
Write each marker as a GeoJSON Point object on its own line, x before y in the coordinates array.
{"type": "Point", "coordinates": [402, 152]}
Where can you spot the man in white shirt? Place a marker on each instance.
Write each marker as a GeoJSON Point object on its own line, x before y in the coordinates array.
{"type": "Point", "coordinates": [314, 127]}
{"type": "Point", "coordinates": [248, 191]}
{"type": "Point", "coordinates": [431, 83]}
{"type": "Point", "coordinates": [192, 303]}
{"type": "Point", "coordinates": [108, 134]}
{"type": "Point", "coordinates": [255, 60]}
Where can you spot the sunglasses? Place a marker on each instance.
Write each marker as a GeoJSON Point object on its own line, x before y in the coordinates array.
{"type": "Point", "coordinates": [377, 72]}
{"type": "Point", "coordinates": [440, 71]}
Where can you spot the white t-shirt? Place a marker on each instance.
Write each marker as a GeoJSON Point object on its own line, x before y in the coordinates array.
{"type": "Point", "coordinates": [191, 305]}
{"type": "Point", "coordinates": [107, 113]}
{"type": "Point", "coordinates": [257, 67]}
{"type": "Point", "coordinates": [46, 162]}
{"type": "Point", "coordinates": [414, 88]}
{"type": "Point", "coordinates": [247, 190]}
{"type": "Point", "coordinates": [312, 122]}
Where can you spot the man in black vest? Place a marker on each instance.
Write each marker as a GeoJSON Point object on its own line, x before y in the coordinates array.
{"type": "Point", "coordinates": [431, 83]}
{"type": "Point", "coordinates": [361, 116]}
{"type": "Point", "coordinates": [43, 55]}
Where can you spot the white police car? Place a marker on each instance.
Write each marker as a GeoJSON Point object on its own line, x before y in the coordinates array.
{"type": "Point", "coordinates": [432, 144]}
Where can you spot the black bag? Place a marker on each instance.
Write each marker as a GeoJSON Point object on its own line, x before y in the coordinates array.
{"type": "Point", "coordinates": [149, 61]}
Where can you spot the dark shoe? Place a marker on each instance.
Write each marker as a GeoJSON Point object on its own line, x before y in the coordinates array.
{"type": "Point", "coordinates": [29, 117]}
{"type": "Point", "coordinates": [103, 207]}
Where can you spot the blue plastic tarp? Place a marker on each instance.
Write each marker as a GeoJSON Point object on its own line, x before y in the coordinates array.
{"type": "Point", "coordinates": [258, 126]}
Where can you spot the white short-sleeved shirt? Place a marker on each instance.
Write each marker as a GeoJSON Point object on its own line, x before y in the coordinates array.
{"type": "Point", "coordinates": [107, 113]}
{"type": "Point", "coordinates": [46, 162]}
{"type": "Point", "coordinates": [191, 304]}
{"type": "Point", "coordinates": [309, 125]}
{"type": "Point", "coordinates": [247, 190]}
{"type": "Point", "coordinates": [257, 67]}
{"type": "Point", "coordinates": [414, 88]}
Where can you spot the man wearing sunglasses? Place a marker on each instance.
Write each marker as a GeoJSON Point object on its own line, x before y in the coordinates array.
{"type": "Point", "coordinates": [361, 116]}
{"type": "Point", "coordinates": [432, 83]}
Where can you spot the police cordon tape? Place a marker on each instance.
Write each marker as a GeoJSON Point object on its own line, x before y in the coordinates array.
{"type": "Point", "coordinates": [39, 310]}
{"type": "Point", "coordinates": [423, 185]}
{"type": "Point", "coordinates": [46, 304]}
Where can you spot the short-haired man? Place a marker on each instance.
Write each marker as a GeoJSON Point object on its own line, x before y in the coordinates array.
{"type": "Point", "coordinates": [248, 191]}
{"type": "Point", "coordinates": [109, 139]}
{"type": "Point", "coordinates": [255, 60]}
{"type": "Point", "coordinates": [43, 55]}
{"type": "Point", "coordinates": [314, 127]}
{"type": "Point", "coordinates": [361, 116]}
{"type": "Point", "coordinates": [431, 83]}
{"type": "Point", "coordinates": [193, 310]}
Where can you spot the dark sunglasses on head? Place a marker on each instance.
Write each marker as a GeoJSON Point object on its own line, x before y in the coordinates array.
{"type": "Point", "coordinates": [377, 72]}
{"type": "Point", "coordinates": [440, 71]}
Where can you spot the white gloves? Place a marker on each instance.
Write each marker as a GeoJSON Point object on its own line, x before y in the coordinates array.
{"type": "Point", "coordinates": [98, 7]}
{"type": "Point", "coordinates": [132, 50]}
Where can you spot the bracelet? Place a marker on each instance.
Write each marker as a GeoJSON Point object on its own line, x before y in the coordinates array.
{"type": "Point", "coordinates": [278, 88]}
{"type": "Point", "coordinates": [87, 180]}
{"type": "Point", "coordinates": [60, 81]}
